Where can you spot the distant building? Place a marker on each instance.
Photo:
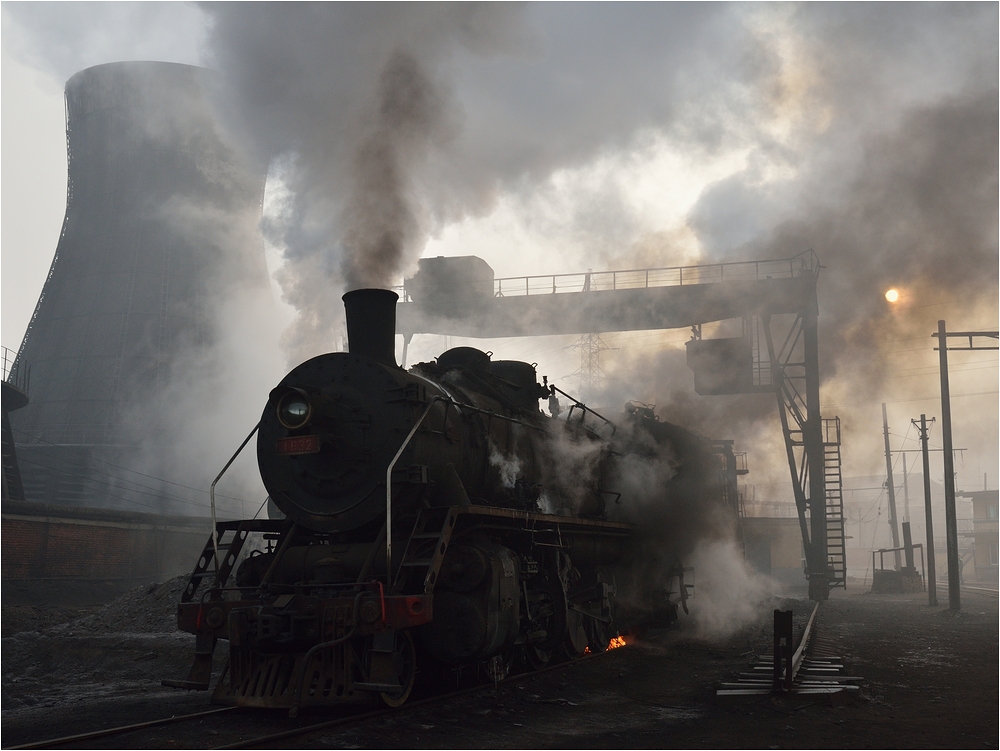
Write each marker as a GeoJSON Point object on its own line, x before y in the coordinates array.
{"type": "Point", "coordinates": [984, 533]}
{"type": "Point", "coordinates": [866, 518]}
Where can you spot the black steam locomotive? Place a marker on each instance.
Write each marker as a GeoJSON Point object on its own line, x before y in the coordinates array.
{"type": "Point", "coordinates": [432, 517]}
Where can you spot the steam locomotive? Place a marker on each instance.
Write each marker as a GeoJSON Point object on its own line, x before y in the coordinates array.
{"type": "Point", "coordinates": [433, 517]}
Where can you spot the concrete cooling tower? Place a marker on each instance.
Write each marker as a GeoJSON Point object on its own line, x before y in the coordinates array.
{"type": "Point", "coordinates": [161, 224]}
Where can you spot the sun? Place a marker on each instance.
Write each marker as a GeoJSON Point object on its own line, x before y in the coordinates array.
{"type": "Point", "coordinates": [892, 295]}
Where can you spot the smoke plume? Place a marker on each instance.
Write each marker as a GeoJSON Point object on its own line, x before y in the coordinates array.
{"type": "Point", "coordinates": [556, 137]}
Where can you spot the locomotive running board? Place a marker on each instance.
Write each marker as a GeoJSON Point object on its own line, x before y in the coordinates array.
{"type": "Point", "coordinates": [528, 517]}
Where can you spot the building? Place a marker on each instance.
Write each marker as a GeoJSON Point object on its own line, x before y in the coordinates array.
{"type": "Point", "coordinates": [984, 533]}
{"type": "Point", "coordinates": [161, 224]}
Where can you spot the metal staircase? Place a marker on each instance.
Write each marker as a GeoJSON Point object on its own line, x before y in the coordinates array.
{"type": "Point", "coordinates": [15, 396]}
{"type": "Point", "coordinates": [835, 540]}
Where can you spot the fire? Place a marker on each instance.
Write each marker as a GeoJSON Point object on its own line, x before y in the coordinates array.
{"type": "Point", "coordinates": [616, 641]}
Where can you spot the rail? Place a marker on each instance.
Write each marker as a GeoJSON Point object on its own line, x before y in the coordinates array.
{"type": "Point", "coordinates": [107, 732]}
{"type": "Point", "coordinates": [15, 373]}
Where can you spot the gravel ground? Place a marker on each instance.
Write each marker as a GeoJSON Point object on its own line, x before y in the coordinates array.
{"type": "Point", "coordinates": [931, 680]}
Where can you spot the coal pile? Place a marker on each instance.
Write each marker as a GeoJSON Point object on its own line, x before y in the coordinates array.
{"type": "Point", "coordinates": [149, 609]}
{"type": "Point", "coordinates": [123, 648]}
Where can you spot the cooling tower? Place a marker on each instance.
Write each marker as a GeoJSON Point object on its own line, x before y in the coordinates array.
{"type": "Point", "coordinates": [161, 222]}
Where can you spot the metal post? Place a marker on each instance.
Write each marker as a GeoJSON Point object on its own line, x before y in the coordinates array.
{"type": "Point", "coordinates": [890, 487]}
{"type": "Point", "coordinates": [812, 439]}
{"type": "Point", "coordinates": [928, 515]}
{"type": "Point", "coordinates": [950, 519]}
{"type": "Point", "coordinates": [908, 546]}
{"type": "Point", "coordinates": [906, 492]}
{"type": "Point", "coordinates": [783, 651]}
{"type": "Point", "coordinates": [406, 346]}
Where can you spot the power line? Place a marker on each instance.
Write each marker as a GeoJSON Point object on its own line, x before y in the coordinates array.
{"type": "Point", "coordinates": [91, 479]}
{"type": "Point", "coordinates": [126, 469]}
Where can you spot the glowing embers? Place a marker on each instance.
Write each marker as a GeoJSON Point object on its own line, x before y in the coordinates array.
{"type": "Point", "coordinates": [616, 641]}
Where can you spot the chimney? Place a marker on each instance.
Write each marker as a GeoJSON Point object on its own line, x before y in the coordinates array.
{"type": "Point", "coordinates": [371, 324]}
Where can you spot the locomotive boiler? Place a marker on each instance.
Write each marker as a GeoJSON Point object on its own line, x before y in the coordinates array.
{"type": "Point", "coordinates": [428, 519]}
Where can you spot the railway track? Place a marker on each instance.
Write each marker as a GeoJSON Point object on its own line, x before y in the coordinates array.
{"type": "Point", "coordinates": [267, 738]}
{"type": "Point", "coordinates": [811, 667]}
{"type": "Point", "coordinates": [989, 592]}
{"type": "Point", "coordinates": [120, 729]}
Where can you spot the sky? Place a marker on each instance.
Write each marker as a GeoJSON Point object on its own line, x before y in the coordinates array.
{"type": "Point", "coordinates": [551, 138]}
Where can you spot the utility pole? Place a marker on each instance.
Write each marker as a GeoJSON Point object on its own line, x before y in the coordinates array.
{"type": "Point", "coordinates": [928, 515]}
{"type": "Point", "coordinates": [951, 522]}
{"type": "Point", "coordinates": [893, 520]}
{"type": "Point", "coordinates": [906, 492]}
{"type": "Point", "coordinates": [950, 516]}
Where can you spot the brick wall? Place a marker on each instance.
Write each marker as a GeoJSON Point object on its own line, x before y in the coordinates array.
{"type": "Point", "coordinates": [45, 543]}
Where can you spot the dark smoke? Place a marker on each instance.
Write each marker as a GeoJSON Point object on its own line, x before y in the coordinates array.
{"type": "Point", "coordinates": [382, 218]}
{"type": "Point", "coordinates": [354, 105]}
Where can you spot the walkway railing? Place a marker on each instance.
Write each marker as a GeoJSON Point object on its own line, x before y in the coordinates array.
{"type": "Point", "coordinates": [673, 276]}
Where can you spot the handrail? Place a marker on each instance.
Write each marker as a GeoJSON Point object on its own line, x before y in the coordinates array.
{"type": "Point", "coordinates": [211, 493]}
{"type": "Point", "coordinates": [388, 489]}
{"type": "Point", "coordinates": [667, 276]}
{"type": "Point", "coordinates": [16, 373]}
{"type": "Point", "coordinates": [406, 442]}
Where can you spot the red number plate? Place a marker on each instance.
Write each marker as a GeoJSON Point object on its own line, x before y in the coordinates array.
{"type": "Point", "coordinates": [300, 444]}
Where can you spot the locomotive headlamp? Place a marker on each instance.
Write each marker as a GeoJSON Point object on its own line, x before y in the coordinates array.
{"type": "Point", "coordinates": [294, 409]}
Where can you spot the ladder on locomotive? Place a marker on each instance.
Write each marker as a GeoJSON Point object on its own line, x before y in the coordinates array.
{"type": "Point", "coordinates": [425, 549]}
{"type": "Point", "coordinates": [231, 536]}
{"type": "Point", "coordinates": [835, 538]}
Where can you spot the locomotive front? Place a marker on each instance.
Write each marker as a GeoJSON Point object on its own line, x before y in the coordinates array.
{"type": "Point", "coordinates": [334, 423]}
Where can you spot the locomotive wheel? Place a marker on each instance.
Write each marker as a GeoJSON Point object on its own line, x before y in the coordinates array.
{"type": "Point", "coordinates": [576, 636]}
{"type": "Point", "coordinates": [548, 611]}
{"type": "Point", "coordinates": [535, 658]}
{"type": "Point", "coordinates": [404, 660]}
{"type": "Point", "coordinates": [599, 634]}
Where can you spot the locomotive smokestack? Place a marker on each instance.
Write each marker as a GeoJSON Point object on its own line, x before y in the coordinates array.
{"type": "Point", "coordinates": [371, 324]}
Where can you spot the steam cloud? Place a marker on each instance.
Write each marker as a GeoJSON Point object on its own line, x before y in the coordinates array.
{"type": "Point", "coordinates": [867, 132]}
